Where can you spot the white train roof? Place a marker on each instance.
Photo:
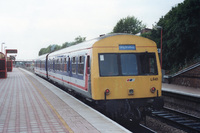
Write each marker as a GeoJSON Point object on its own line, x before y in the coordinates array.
{"type": "Point", "coordinates": [83, 45]}
{"type": "Point", "coordinates": [80, 46]}
{"type": "Point", "coordinates": [41, 57]}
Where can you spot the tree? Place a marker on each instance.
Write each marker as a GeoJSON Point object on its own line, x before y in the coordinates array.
{"type": "Point", "coordinates": [49, 49]}
{"type": "Point", "coordinates": [181, 34]}
{"type": "Point", "coordinates": [56, 47]}
{"type": "Point", "coordinates": [79, 39]}
{"type": "Point", "coordinates": [129, 24]}
{"type": "Point", "coordinates": [42, 51]}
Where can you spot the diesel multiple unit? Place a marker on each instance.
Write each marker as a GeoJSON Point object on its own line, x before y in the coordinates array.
{"type": "Point", "coordinates": [119, 72]}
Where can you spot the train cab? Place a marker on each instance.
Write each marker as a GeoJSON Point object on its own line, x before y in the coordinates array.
{"type": "Point", "coordinates": [126, 65]}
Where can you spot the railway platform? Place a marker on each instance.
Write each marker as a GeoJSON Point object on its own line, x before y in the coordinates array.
{"type": "Point", "coordinates": [189, 91]}
{"type": "Point", "coordinates": [31, 104]}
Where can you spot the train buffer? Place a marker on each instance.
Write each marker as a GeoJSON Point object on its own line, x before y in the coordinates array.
{"type": "Point", "coordinates": [31, 104]}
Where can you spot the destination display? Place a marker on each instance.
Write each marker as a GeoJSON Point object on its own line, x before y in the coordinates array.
{"type": "Point", "coordinates": [127, 47]}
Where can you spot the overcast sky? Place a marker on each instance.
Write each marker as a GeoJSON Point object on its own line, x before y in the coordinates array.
{"type": "Point", "coordinates": [29, 25]}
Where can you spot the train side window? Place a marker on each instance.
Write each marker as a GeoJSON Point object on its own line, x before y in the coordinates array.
{"type": "Point", "coordinates": [65, 64]}
{"type": "Point", "coordinates": [36, 64]}
{"type": "Point", "coordinates": [49, 64]}
{"type": "Point", "coordinates": [88, 64]}
{"type": "Point", "coordinates": [81, 65]}
{"type": "Point", "coordinates": [53, 63]}
{"type": "Point", "coordinates": [40, 64]}
{"type": "Point", "coordinates": [61, 62]}
{"type": "Point", "coordinates": [148, 63]}
{"type": "Point", "coordinates": [69, 63]}
{"type": "Point", "coordinates": [68, 66]}
{"type": "Point", "coordinates": [43, 65]}
{"type": "Point", "coordinates": [57, 61]}
{"type": "Point", "coordinates": [152, 65]}
{"type": "Point", "coordinates": [74, 65]}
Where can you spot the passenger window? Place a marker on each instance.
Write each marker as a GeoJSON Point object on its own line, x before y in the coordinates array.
{"type": "Point", "coordinates": [57, 67]}
{"type": "Point", "coordinates": [81, 65]}
{"type": "Point", "coordinates": [60, 64]}
{"type": "Point", "coordinates": [54, 64]}
{"type": "Point", "coordinates": [88, 64]}
{"type": "Point", "coordinates": [74, 65]}
{"type": "Point", "coordinates": [68, 64]}
{"type": "Point", "coordinates": [50, 64]}
{"type": "Point", "coordinates": [65, 64]}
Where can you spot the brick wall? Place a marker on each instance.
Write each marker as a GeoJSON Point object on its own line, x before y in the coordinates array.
{"type": "Point", "coordinates": [189, 78]}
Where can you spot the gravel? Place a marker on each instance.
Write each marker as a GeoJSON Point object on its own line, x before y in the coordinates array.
{"type": "Point", "coordinates": [161, 127]}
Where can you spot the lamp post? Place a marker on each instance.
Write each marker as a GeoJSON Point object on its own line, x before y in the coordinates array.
{"type": "Point", "coordinates": [5, 49]}
{"type": "Point", "coordinates": [161, 30]}
{"type": "Point", "coordinates": [2, 46]}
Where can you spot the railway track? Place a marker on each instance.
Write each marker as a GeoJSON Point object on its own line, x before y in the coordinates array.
{"type": "Point", "coordinates": [135, 127]}
{"type": "Point", "coordinates": [179, 119]}
{"type": "Point", "coordinates": [141, 129]}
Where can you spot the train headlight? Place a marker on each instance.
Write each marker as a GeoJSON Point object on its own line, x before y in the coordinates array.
{"type": "Point", "coordinates": [153, 89]}
{"type": "Point", "coordinates": [130, 91]}
{"type": "Point", "coordinates": [107, 91]}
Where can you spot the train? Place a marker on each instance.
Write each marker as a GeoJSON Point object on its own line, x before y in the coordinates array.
{"type": "Point", "coordinates": [118, 72]}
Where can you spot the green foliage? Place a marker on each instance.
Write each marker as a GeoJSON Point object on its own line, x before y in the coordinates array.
{"type": "Point", "coordinates": [79, 39]}
{"type": "Point", "coordinates": [146, 35]}
{"type": "Point", "coordinates": [55, 47]}
{"type": "Point", "coordinates": [128, 25]}
{"type": "Point", "coordinates": [181, 34]}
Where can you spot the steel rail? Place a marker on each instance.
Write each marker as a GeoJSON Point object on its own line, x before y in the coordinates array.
{"type": "Point", "coordinates": [179, 119]}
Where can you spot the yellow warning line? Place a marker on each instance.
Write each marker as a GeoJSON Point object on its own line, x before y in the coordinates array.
{"type": "Point", "coordinates": [51, 106]}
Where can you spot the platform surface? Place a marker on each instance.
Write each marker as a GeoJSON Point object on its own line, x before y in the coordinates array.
{"type": "Point", "coordinates": [190, 91]}
{"type": "Point", "coordinates": [31, 104]}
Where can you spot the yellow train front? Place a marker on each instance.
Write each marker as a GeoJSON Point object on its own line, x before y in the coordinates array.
{"type": "Point", "coordinates": [126, 75]}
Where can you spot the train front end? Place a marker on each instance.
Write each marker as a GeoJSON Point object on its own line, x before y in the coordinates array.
{"type": "Point", "coordinates": [126, 75]}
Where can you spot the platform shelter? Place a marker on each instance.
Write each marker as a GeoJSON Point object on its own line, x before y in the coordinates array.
{"type": "Point", "coordinates": [3, 69]}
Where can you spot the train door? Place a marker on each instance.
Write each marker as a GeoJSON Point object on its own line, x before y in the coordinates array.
{"type": "Point", "coordinates": [87, 75]}
{"type": "Point", "coordinates": [88, 65]}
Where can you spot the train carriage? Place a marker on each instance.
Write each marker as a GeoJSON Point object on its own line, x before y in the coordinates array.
{"type": "Point", "coordinates": [40, 66]}
{"type": "Point", "coordinates": [120, 72]}
{"type": "Point", "coordinates": [70, 67]}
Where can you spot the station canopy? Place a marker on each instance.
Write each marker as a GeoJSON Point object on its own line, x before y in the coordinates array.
{"type": "Point", "coordinates": [11, 51]}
